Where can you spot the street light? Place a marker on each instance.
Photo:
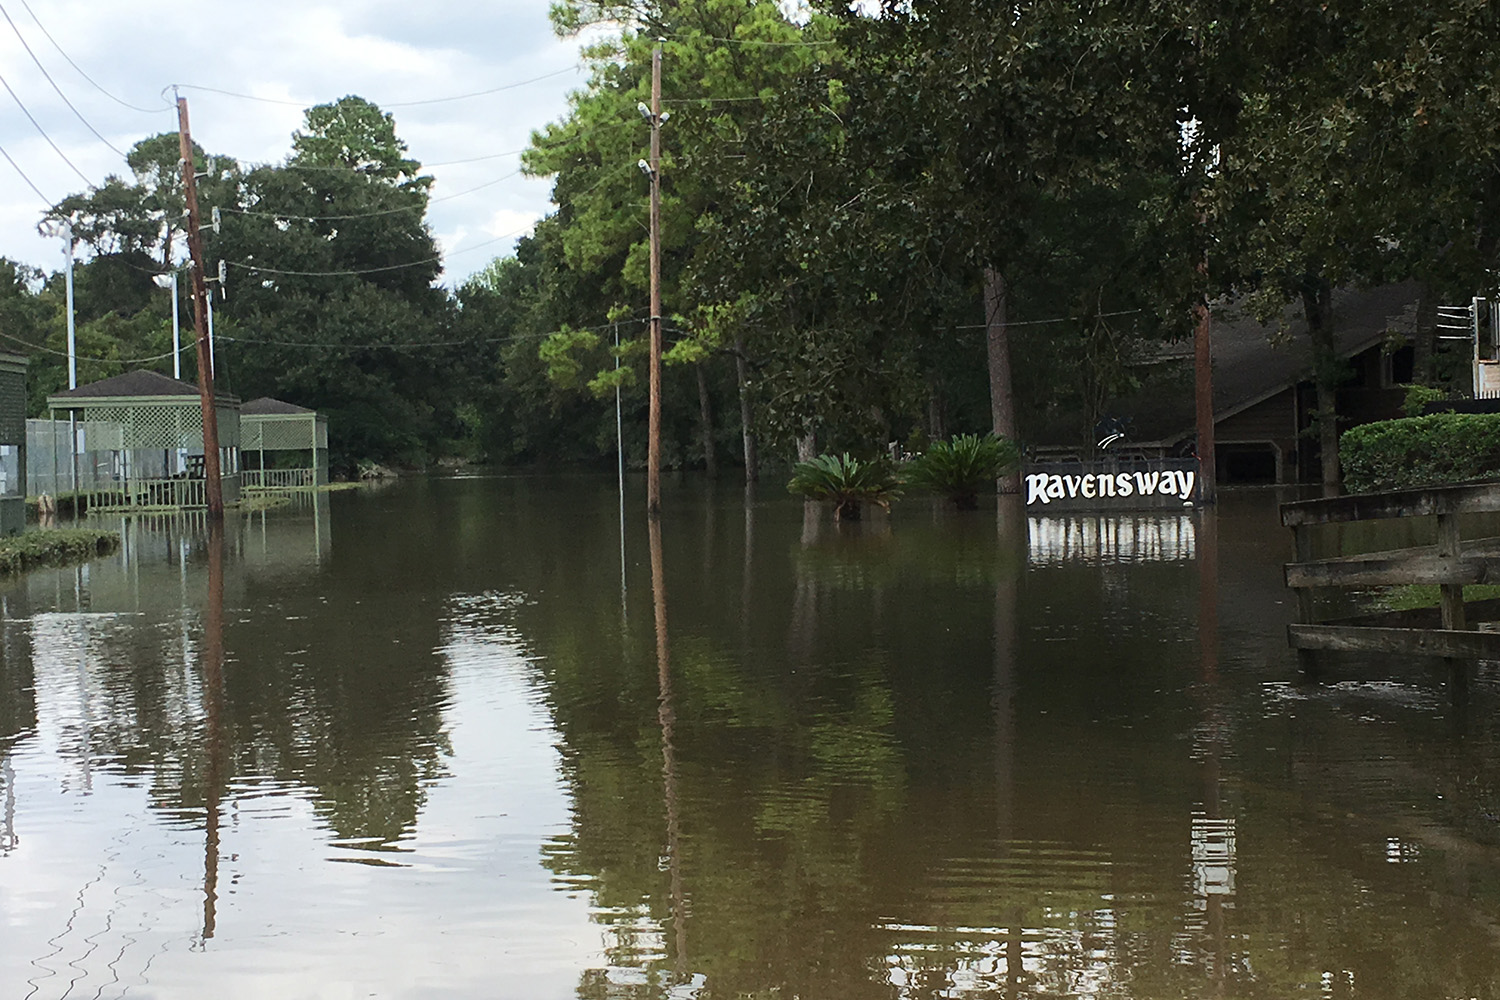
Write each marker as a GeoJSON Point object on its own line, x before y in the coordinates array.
{"type": "Point", "coordinates": [169, 280]}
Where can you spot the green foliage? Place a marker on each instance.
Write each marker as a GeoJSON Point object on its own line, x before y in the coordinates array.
{"type": "Point", "coordinates": [1418, 396]}
{"type": "Point", "coordinates": [53, 548]}
{"type": "Point", "coordinates": [1436, 450]}
{"type": "Point", "coordinates": [846, 482]}
{"type": "Point", "coordinates": [961, 468]}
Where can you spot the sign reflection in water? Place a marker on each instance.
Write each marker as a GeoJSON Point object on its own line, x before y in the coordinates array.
{"type": "Point", "coordinates": [1111, 538]}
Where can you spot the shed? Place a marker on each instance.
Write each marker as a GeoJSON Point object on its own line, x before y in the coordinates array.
{"type": "Point", "coordinates": [12, 443]}
{"type": "Point", "coordinates": [140, 441]}
{"type": "Point", "coordinates": [297, 439]}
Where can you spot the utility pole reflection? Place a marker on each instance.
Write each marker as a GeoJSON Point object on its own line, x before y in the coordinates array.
{"type": "Point", "coordinates": [1213, 836]}
{"type": "Point", "coordinates": [667, 719]}
{"type": "Point", "coordinates": [213, 704]}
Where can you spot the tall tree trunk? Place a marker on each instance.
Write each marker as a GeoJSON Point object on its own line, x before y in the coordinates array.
{"type": "Point", "coordinates": [807, 447]}
{"type": "Point", "coordinates": [997, 345]}
{"type": "Point", "coordinates": [937, 413]}
{"type": "Point", "coordinates": [706, 424]}
{"type": "Point", "coordinates": [1317, 307]}
{"type": "Point", "coordinates": [747, 429]}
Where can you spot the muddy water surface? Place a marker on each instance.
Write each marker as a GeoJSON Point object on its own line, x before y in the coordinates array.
{"type": "Point", "coordinates": [427, 742]}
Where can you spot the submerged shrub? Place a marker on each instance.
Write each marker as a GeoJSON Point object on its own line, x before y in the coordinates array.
{"type": "Point", "coordinates": [964, 467]}
{"type": "Point", "coordinates": [1440, 449]}
{"type": "Point", "coordinates": [846, 482]}
{"type": "Point", "coordinates": [52, 547]}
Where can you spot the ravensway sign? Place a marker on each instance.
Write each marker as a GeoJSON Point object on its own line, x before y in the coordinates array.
{"type": "Point", "coordinates": [1111, 485]}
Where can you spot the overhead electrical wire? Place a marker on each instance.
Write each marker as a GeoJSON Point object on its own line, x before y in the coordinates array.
{"type": "Point", "coordinates": [80, 71]}
{"type": "Point", "coordinates": [509, 338]}
{"type": "Point", "coordinates": [438, 259]}
{"type": "Point", "coordinates": [370, 215]}
{"type": "Point", "coordinates": [28, 181]}
{"type": "Point", "coordinates": [753, 41]}
{"type": "Point", "coordinates": [86, 123]}
{"type": "Point", "coordinates": [246, 266]}
{"type": "Point", "coordinates": [44, 134]}
{"type": "Point", "coordinates": [387, 104]}
{"type": "Point", "coordinates": [103, 361]}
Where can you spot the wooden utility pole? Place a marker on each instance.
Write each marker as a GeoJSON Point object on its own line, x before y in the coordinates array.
{"type": "Point", "coordinates": [213, 485]}
{"type": "Point", "coordinates": [653, 451]}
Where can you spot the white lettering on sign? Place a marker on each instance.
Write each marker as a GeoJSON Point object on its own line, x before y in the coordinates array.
{"type": "Point", "coordinates": [1044, 488]}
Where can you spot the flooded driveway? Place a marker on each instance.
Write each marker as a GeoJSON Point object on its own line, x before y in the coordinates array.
{"type": "Point", "coordinates": [429, 742]}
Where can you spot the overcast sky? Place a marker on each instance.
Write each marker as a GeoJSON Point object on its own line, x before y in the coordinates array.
{"type": "Point", "coordinates": [300, 52]}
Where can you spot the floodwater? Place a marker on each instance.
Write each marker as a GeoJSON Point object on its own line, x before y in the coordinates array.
{"type": "Point", "coordinates": [426, 742]}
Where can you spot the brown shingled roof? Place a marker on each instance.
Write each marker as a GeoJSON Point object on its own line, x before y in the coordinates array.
{"type": "Point", "coordinates": [137, 383]}
{"type": "Point", "coordinates": [265, 406]}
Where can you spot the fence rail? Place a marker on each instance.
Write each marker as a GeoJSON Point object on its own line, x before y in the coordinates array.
{"type": "Point", "coordinates": [277, 479]}
{"type": "Point", "coordinates": [1450, 564]}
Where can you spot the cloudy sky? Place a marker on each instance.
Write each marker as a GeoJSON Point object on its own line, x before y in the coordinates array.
{"type": "Point", "coordinates": [285, 55]}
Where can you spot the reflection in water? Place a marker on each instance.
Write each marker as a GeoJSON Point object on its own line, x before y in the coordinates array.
{"type": "Point", "coordinates": [927, 757]}
{"type": "Point", "coordinates": [1111, 538]}
{"type": "Point", "coordinates": [212, 671]}
{"type": "Point", "coordinates": [666, 718]}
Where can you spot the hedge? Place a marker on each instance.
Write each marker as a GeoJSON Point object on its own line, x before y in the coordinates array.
{"type": "Point", "coordinates": [1440, 449]}
{"type": "Point", "coordinates": [62, 546]}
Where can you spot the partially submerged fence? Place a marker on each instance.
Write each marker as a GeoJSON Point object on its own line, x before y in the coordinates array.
{"type": "Point", "coordinates": [1451, 563]}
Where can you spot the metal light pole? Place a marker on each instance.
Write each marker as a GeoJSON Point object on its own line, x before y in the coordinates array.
{"type": "Point", "coordinates": [67, 235]}
{"type": "Point", "coordinates": [170, 281]}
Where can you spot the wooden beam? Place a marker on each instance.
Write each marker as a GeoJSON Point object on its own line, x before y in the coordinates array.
{"type": "Point", "coordinates": [1381, 569]}
{"type": "Point", "coordinates": [1402, 641]}
{"type": "Point", "coordinates": [1478, 498]}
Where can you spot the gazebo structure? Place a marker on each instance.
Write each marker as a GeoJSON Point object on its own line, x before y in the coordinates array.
{"type": "Point", "coordinates": [12, 443]}
{"type": "Point", "coordinates": [141, 441]}
{"type": "Point", "coordinates": [297, 439]}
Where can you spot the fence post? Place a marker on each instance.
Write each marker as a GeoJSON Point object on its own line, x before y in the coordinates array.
{"type": "Point", "coordinates": [1452, 593]}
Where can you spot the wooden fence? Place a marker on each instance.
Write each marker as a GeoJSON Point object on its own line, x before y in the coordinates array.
{"type": "Point", "coordinates": [1451, 563]}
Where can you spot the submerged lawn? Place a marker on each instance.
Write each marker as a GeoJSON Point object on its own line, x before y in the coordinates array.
{"type": "Point", "coordinates": [53, 547]}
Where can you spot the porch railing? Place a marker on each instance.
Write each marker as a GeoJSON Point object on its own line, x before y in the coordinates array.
{"type": "Point", "coordinates": [277, 479]}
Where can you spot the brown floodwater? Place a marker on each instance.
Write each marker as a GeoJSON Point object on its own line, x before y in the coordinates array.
{"type": "Point", "coordinates": [436, 740]}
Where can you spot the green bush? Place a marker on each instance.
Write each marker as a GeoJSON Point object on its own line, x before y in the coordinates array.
{"type": "Point", "coordinates": [846, 482]}
{"type": "Point", "coordinates": [1440, 449]}
{"type": "Point", "coordinates": [1418, 396]}
{"type": "Point", "coordinates": [54, 547]}
{"type": "Point", "coordinates": [964, 467]}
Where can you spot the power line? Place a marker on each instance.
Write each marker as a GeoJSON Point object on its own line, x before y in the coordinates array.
{"type": "Point", "coordinates": [387, 104]}
{"type": "Point", "coordinates": [43, 131]}
{"type": "Point", "coordinates": [103, 361]}
{"type": "Point", "coordinates": [752, 41]}
{"type": "Point", "coordinates": [80, 71]}
{"type": "Point", "coordinates": [29, 184]}
{"type": "Point", "coordinates": [86, 123]}
{"type": "Point", "coordinates": [371, 215]}
{"type": "Point", "coordinates": [1044, 322]}
{"type": "Point", "coordinates": [412, 345]}
{"type": "Point", "coordinates": [371, 270]}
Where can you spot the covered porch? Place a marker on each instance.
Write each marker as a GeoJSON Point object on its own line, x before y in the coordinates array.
{"type": "Point", "coordinates": [139, 442]}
